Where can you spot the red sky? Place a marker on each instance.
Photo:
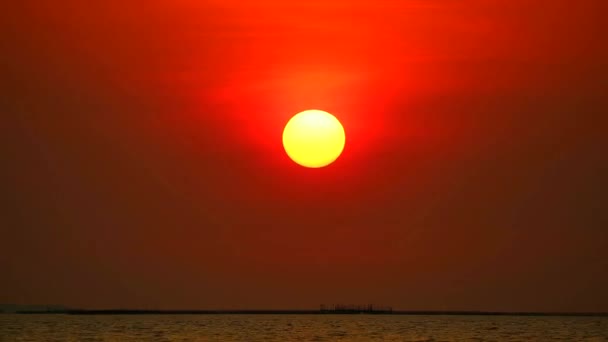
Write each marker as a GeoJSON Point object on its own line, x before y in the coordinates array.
{"type": "Point", "coordinates": [143, 164]}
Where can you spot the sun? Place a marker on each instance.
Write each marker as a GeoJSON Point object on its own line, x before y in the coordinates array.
{"type": "Point", "coordinates": [314, 138]}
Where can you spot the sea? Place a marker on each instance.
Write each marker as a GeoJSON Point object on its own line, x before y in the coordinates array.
{"type": "Point", "coordinates": [45, 327]}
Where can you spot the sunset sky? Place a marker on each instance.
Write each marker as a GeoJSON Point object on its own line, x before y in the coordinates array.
{"type": "Point", "coordinates": [143, 165]}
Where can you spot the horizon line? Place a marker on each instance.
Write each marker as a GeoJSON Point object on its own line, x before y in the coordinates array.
{"type": "Point", "coordinates": [69, 311]}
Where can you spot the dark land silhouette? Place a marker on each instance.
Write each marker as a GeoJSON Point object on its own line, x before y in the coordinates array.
{"type": "Point", "coordinates": [323, 310]}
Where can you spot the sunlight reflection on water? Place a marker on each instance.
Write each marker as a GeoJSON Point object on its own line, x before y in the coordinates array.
{"type": "Point", "coordinates": [299, 328]}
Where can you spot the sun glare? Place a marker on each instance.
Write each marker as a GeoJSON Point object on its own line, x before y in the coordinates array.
{"type": "Point", "coordinates": [314, 138]}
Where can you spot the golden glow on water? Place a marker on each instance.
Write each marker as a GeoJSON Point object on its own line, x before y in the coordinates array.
{"type": "Point", "coordinates": [283, 328]}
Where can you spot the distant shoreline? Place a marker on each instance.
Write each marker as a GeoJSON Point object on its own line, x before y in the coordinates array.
{"type": "Point", "coordinates": [308, 312]}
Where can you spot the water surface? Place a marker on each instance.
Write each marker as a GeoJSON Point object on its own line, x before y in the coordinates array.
{"type": "Point", "coordinates": [300, 328]}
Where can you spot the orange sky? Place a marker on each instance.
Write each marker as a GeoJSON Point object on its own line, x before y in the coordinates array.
{"type": "Point", "coordinates": [144, 166]}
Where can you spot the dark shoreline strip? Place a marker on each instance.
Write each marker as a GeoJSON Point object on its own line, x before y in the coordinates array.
{"type": "Point", "coordinates": [312, 312]}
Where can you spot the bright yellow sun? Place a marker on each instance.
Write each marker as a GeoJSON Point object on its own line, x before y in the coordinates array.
{"type": "Point", "coordinates": [314, 138]}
